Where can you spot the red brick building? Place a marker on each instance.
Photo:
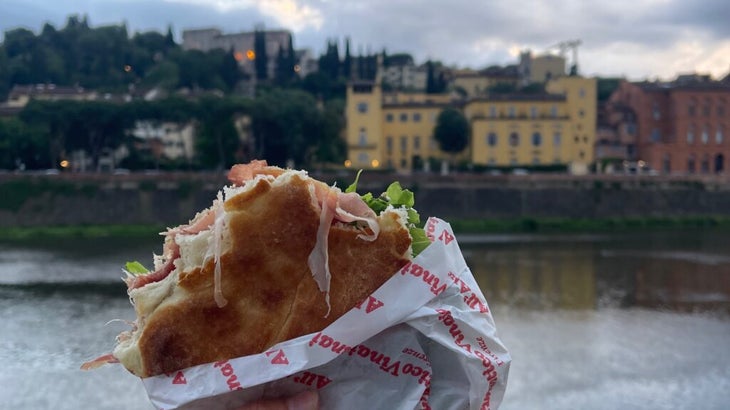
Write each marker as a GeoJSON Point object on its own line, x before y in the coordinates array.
{"type": "Point", "coordinates": [681, 126]}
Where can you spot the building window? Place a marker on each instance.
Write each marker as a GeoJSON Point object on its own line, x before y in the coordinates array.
{"type": "Point", "coordinates": [511, 112]}
{"type": "Point", "coordinates": [416, 143]}
{"type": "Point", "coordinates": [416, 117]}
{"type": "Point", "coordinates": [389, 117]}
{"type": "Point", "coordinates": [554, 111]}
{"type": "Point", "coordinates": [666, 164]}
{"type": "Point", "coordinates": [720, 111]}
{"type": "Point", "coordinates": [514, 139]}
{"type": "Point", "coordinates": [691, 164]}
{"type": "Point", "coordinates": [706, 109]}
{"type": "Point", "coordinates": [719, 134]}
{"type": "Point", "coordinates": [655, 112]}
{"type": "Point", "coordinates": [691, 110]}
{"type": "Point", "coordinates": [556, 139]}
{"type": "Point", "coordinates": [492, 111]}
{"type": "Point", "coordinates": [492, 139]}
{"type": "Point", "coordinates": [403, 163]}
{"type": "Point", "coordinates": [691, 134]}
{"type": "Point", "coordinates": [536, 139]}
{"type": "Point", "coordinates": [655, 135]}
{"type": "Point", "coordinates": [389, 145]}
{"type": "Point", "coordinates": [533, 112]}
{"type": "Point", "coordinates": [581, 113]}
{"type": "Point", "coordinates": [705, 165]}
{"type": "Point", "coordinates": [403, 117]}
{"type": "Point", "coordinates": [362, 107]}
{"type": "Point", "coordinates": [403, 144]}
{"type": "Point", "coordinates": [582, 92]}
{"type": "Point", "coordinates": [536, 161]}
{"type": "Point", "coordinates": [705, 134]}
{"type": "Point", "coordinates": [362, 137]}
{"type": "Point", "coordinates": [631, 129]}
{"type": "Point", "coordinates": [363, 158]}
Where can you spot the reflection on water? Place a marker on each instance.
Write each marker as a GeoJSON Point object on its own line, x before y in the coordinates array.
{"type": "Point", "coordinates": [592, 321]}
{"type": "Point", "coordinates": [685, 272]}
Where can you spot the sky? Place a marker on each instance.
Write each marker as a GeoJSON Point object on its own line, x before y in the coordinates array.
{"type": "Point", "coordinates": [633, 39]}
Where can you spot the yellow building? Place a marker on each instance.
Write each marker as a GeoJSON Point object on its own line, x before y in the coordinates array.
{"type": "Point", "coordinates": [556, 128]}
{"type": "Point", "coordinates": [395, 131]}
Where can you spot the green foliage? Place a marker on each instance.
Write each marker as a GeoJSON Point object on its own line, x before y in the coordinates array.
{"type": "Point", "coordinates": [452, 130]}
{"type": "Point", "coordinates": [289, 125]}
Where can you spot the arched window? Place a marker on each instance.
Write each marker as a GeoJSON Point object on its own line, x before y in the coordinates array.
{"type": "Point", "coordinates": [556, 139]}
{"type": "Point", "coordinates": [705, 164]}
{"type": "Point", "coordinates": [719, 134]}
{"type": "Point", "coordinates": [536, 139]}
{"type": "Point", "coordinates": [362, 137]}
{"type": "Point", "coordinates": [705, 134]}
{"type": "Point", "coordinates": [514, 139]}
{"type": "Point", "coordinates": [492, 139]}
{"type": "Point", "coordinates": [691, 164]}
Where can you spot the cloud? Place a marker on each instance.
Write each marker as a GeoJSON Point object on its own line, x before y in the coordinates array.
{"type": "Point", "coordinates": [636, 38]}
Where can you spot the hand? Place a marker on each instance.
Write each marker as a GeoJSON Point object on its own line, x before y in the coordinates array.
{"type": "Point", "coordinates": [306, 400]}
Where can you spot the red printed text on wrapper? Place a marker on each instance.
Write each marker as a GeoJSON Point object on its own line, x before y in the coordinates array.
{"type": "Point", "coordinates": [227, 371]}
{"type": "Point", "coordinates": [470, 297]}
{"type": "Point", "coordinates": [384, 362]}
{"type": "Point", "coordinates": [444, 236]}
{"type": "Point", "coordinates": [312, 379]}
{"type": "Point", "coordinates": [490, 372]}
{"type": "Point", "coordinates": [418, 271]}
{"type": "Point", "coordinates": [371, 303]}
{"type": "Point", "coordinates": [277, 357]}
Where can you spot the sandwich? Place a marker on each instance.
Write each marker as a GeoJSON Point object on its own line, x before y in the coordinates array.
{"type": "Point", "coordinates": [278, 255]}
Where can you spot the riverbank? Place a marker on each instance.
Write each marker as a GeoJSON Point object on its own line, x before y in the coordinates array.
{"type": "Point", "coordinates": [463, 226]}
{"type": "Point", "coordinates": [480, 203]}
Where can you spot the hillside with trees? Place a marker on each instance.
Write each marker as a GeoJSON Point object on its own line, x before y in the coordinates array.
{"type": "Point", "coordinates": [291, 118]}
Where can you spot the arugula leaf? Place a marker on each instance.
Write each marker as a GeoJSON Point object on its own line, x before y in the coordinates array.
{"type": "Point", "coordinates": [353, 186]}
{"type": "Point", "coordinates": [135, 268]}
{"type": "Point", "coordinates": [398, 197]}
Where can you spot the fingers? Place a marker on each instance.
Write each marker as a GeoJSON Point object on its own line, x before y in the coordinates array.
{"type": "Point", "coordinates": [306, 400]}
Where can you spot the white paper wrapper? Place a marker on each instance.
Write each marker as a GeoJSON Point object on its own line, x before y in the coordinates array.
{"type": "Point", "coordinates": [425, 339]}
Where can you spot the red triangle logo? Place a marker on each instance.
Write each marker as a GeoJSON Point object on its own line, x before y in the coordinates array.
{"type": "Point", "coordinates": [279, 357]}
{"type": "Point", "coordinates": [179, 379]}
{"type": "Point", "coordinates": [373, 304]}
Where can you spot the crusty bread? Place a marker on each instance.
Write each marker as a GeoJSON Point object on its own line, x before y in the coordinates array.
{"type": "Point", "coordinates": [271, 229]}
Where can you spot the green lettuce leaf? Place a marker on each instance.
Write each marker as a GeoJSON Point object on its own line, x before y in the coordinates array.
{"type": "Point", "coordinates": [398, 197]}
{"type": "Point", "coordinates": [135, 268]}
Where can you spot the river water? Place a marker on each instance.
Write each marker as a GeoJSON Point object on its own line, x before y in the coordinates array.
{"type": "Point", "coordinates": [605, 321]}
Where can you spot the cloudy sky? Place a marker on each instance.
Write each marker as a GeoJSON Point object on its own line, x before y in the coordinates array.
{"type": "Point", "coordinates": [636, 39]}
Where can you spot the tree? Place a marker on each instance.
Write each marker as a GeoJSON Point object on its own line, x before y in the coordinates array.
{"type": "Point", "coordinates": [430, 78]}
{"type": "Point", "coordinates": [452, 131]}
{"type": "Point", "coordinates": [261, 63]}
{"type": "Point", "coordinates": [347, 64]}
{"type": "Point", "coordinates": [287, 126]}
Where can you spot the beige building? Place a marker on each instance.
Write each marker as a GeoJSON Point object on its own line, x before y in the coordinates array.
{"type": "Point", "coordinates": [242, 45]}
{"type": "Point", "coordinates": [541, 68]}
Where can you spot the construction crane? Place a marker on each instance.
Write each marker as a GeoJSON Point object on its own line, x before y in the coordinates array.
{"type": "Point", "coordinates": [563, 46]}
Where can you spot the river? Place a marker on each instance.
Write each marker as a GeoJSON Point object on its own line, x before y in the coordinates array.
{"type": "Point", "coordinates": [604, 321]}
